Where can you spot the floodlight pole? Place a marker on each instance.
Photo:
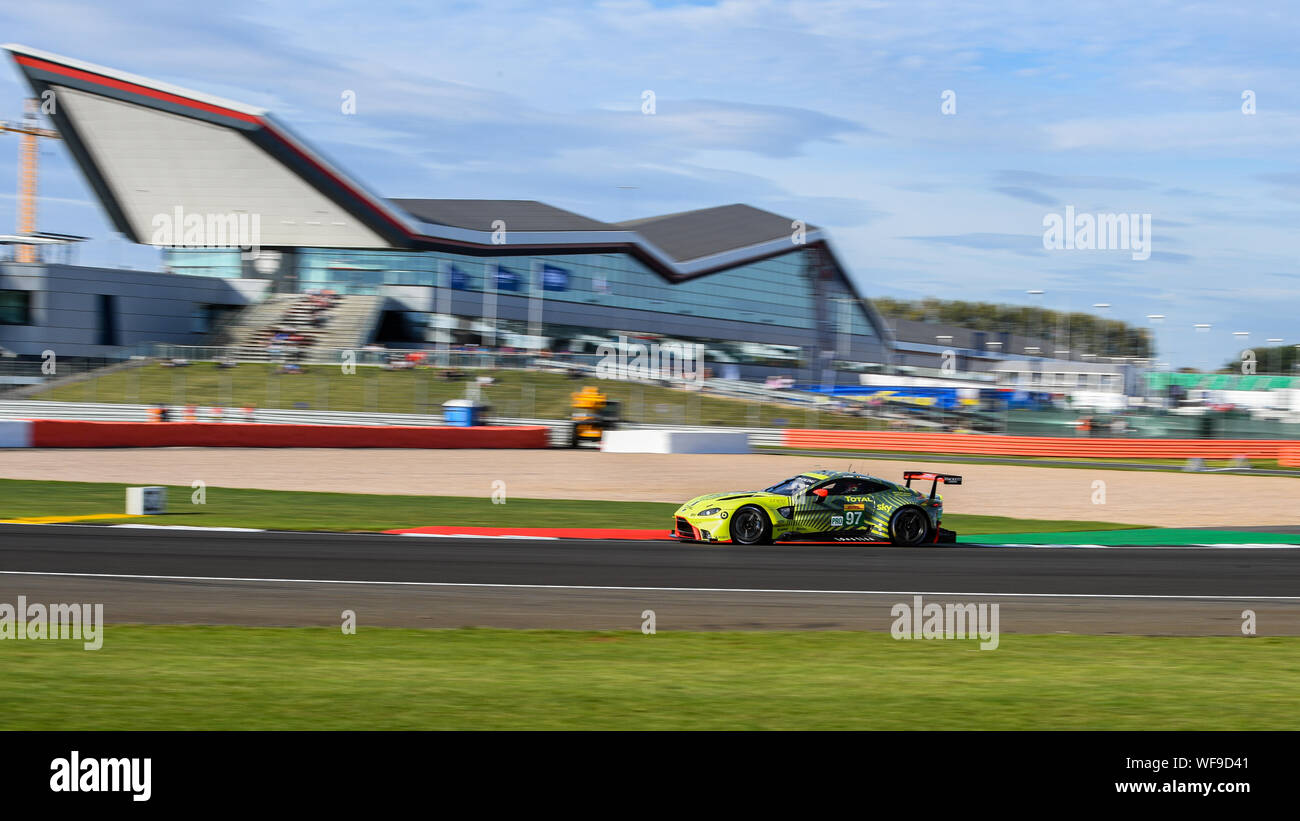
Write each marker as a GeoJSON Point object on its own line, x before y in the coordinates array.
{"type": "Point", "coordinates": [490, 301]}
{"type": "Point", "coordinates": [535, 300]}
{"type": "Point", "coordinates": [443, 298]}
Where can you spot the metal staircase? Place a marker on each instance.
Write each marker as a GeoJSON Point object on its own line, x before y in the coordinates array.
{"type": "Point", "coordinates": [350, 323]}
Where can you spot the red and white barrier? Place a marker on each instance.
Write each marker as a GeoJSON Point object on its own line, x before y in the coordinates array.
{"type": "Point", "coordinates": [1003, 445]}
{"type": "Point", "coordinates": [60, 433]}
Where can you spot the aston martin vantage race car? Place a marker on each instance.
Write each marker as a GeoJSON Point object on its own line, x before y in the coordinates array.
{"type": "Point", "coordinates": [821, 505]}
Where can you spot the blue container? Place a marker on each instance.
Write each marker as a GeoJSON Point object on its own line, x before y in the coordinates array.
{"type": "Point", "coordinates": [463, 413]}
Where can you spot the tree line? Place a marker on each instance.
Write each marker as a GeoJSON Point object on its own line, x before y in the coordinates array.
{"type": "Point", "coordinates": [1085, 333]}
{"type": "Point", "coordinates": [1276, 359]}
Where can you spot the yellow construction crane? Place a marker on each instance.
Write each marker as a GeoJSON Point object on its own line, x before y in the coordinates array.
{"type": "Point", "coordinates": [29, 129]}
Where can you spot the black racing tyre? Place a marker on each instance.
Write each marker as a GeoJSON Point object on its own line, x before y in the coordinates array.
{"type": "Point", "coordinates": [750, 525]}
{"type": "Point", "coordinates": [909, 526]}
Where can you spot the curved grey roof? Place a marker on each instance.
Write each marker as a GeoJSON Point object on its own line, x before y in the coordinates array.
{"type": "Point", "coordinates": [518, 215]}
{"type": "Point", "coordinates": [694, 234]}
{"type": "Point", "coordinates": [129, 134]}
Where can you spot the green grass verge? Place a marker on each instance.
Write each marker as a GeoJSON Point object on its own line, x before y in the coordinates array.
{"type": "Point", "coordinates": [293, 510]}
{"type": "Point", "coordinates": [516, 393]}
{"type": "Point", "coordinates": [973, 524]}
{"type": "Point", "coordinates": [237, 678]}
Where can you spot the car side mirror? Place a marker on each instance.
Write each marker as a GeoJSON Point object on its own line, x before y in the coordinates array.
{"type": "Point", "coordinates": [821, 493]}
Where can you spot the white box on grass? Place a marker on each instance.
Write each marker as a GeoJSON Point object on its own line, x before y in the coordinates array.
{"type": "Point", "coordinates": [146, 501]}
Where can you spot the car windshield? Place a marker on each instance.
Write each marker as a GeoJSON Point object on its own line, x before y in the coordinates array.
{"type": "Point", "coordinates": [791, 486]}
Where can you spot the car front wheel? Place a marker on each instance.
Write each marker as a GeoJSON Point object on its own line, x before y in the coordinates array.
{"type": "Point", "coordinates": [750, 525]}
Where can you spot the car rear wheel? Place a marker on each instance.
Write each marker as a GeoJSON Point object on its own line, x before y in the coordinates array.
{"type": "Point", "coordinates": [750, 525]}
{"type": "Point", "coordinates": [909, 527]}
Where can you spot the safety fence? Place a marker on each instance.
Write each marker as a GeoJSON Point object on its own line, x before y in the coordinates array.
{"type": "Point", "coordinates": [558, 429]}
{"type": "Point", "coordinates": [1285, 451]}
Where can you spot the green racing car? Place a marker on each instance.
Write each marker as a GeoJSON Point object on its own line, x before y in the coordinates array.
{"type": "Point", "coordinates": [821, 505]}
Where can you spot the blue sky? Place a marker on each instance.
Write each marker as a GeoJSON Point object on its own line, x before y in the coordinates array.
{"type": "Point", "coordinates": [824, 111]}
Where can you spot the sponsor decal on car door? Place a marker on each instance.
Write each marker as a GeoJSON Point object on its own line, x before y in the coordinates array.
{"type": "Point", "coordinates": [834, 513]}
{"type": "Point", "coordinates": [857, 513]}
{"type": "Point", "coordinates": [813, 514]}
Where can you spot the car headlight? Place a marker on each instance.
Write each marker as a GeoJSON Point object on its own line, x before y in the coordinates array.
{"type": "Point", "coordinates": [713, 511]}
{"type": "Point", "coordinates": [786, 512]}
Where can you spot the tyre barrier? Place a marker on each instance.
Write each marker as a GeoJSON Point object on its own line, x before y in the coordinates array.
{"type": "Point", "coordinates": [999, 445]}
{"type": "Point", "coordinates": [60, 433]}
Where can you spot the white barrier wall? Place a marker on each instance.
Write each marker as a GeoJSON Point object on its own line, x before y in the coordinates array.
{"type": "Point", "coordinates": [1098, 400]}
{"type": "Point", "coordinates": [1282, 399]}
{"type": "Point", "coordinates": [672, 441]}
{"type": "Point", "coordinates": [15, 433]}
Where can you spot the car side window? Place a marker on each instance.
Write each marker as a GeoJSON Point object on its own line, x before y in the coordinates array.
{"type": "Point", "coordinates": [853, 487]}
{"type": "Point", "coordinates": [840, 487]}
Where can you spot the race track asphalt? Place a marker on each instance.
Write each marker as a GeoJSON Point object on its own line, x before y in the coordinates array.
{"type": "Point", "coordinates": [179, 576]}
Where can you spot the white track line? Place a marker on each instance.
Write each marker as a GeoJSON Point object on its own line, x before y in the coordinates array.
{"type": "Point", "coordinates": [194, 527]}
{"type": "Point", "coordinates": [644, 589]}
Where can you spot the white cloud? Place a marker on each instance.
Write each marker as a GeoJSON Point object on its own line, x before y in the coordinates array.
{"type": "Point", "coordinates": [1189, 131]}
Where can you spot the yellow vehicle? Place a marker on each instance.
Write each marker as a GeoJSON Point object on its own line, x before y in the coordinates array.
{"type": "Point", "coordinates": [593, 414]}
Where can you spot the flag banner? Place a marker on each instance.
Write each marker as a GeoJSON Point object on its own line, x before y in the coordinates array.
{"type": "Point", "coordinates": [507, 280]}
{"type": "Point", "coordinates": [554, 279]}
{"type": "Point", "coordinates": [459, 279]}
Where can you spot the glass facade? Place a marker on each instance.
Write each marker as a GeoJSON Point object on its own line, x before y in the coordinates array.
{"type": "Point", "coordinates": [788, 292]}
{"type": "Point", "coordinates": [772, 291]}
{"type": "Point", "coordinates": [758, 292]}
{"type": "Point", "coordinates": [15, 308]}
{"type": "Point", "coordinates": [222, 263]}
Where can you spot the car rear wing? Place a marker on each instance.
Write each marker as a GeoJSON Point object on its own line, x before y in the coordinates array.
{"type": "Point", "coordinates": [935, 479]}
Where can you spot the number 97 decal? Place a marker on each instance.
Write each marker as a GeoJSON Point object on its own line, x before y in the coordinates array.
{"type": "Point", "coordinates": [852, 517]}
